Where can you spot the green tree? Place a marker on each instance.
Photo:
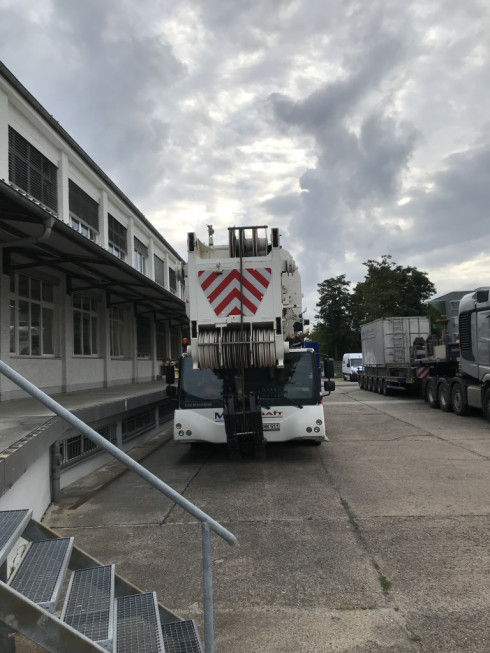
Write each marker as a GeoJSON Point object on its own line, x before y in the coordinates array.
{"type": "Point", "coordinates": [334, 330]}
{"type": "Point", "coordinates": [391, 290]}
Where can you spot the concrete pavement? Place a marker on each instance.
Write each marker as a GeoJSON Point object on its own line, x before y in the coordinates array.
{"type": "Point", "coordinates": [374, 542]}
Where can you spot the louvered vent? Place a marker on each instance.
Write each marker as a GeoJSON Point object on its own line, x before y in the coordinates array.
{"type": "Point", "coordinates": [465, 336]}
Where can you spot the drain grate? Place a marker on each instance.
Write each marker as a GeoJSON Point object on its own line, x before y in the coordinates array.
{"type": "Point", "coordinates": [40, 574]}
{"type": "Point", "coordinates": [89, 603]}
{"type": "Point", "coordinates": [12, 524]}
{"type": "Point", "coordinates": [138, 624]}
{"type": "Point", "coordinates": [181, 637]}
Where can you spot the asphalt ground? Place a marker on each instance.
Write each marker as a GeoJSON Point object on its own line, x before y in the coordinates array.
{"type": "Point", "coordinates": [376, 541]}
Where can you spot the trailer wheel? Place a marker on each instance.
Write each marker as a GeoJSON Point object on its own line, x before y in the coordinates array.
{"type": "Point", "coordinates": [444, 396]}
{"type": "Point", "coordinates": [486, 403]}
{"type": "Point", "coordinates": [457, 400]}
{"type": "Point", "coordinates": [431, 391]}
{"type": "Point", "coordinates": [380, 386]}
{"type": "Point", "coordinates": [386, 390]}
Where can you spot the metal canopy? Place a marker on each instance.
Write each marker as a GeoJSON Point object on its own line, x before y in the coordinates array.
{"type": "Point", "coordinates": [32, 237]}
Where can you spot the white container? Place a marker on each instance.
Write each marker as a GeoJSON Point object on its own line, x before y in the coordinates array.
{"type": "Point", "coordinates": [387, 341]}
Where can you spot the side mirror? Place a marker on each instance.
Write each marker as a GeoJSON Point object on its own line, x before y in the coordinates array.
{"type": "Point", "coordinates": [329, 386]}
{"type": "Point", "coordinates": [328, 368]}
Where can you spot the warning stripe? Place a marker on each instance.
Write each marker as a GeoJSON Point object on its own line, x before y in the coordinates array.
{"type": "Point", "coordinates": [223, 290]}
{"type": "Point", "coordinates": [422, 372]}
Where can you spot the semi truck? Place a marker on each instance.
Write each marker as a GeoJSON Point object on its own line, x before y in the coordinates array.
{"type": "Point", "coordinates": [401, 354]}
{"type": "Point", "coordinates": [247, 375]}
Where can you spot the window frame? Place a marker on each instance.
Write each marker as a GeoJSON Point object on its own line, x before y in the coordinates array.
{"type": "Point", "coordinates": [159, 270]}
{"type": "Point", "coordinates": [140, 255]}
{"type": "Point", "coordinates": [42, 299]}
{"type": "Point", "coordinates": [117, 324]}
{"type": "Point", "coordinates": [84, 211]}
{"type": "Point", "coordinates": [117, 233]}
{"type": "Point", "coordinates": [88, 315]}
{"type": "Point", "coordinates": [45, 188]}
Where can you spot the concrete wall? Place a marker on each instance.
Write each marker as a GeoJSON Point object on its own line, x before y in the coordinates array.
{"type": "Point", "coordinates": [32, 490]}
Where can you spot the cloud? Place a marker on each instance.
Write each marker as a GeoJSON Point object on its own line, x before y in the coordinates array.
{"type": "Point", "coordinates": [360, 129]}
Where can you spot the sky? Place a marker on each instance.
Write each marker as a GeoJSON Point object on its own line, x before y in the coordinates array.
{"type": "Point", "coordinates": [359, 128]}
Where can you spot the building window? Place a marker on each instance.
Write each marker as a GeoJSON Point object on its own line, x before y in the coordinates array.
{"type": "Point", "coordinates": [175, 343]}
{"type": "Point", "coordinates": [159, 271]}
{"type": "Point", "coordinates": [172, 280]}
{"type": "Point", "coordinates": [137, 423]}
{"type": "Point", "coordinates": [84, 211]}
{"type": "Point", "coordinates": [79, 447]}
{"type": "Point", "coordinates": [454, 307]}
{"type": "Point", "coordinates": [85, 326]}
{"type": "Point", "coordinates": [140, 256]}
{"type": "Point", "coordinates": [118, 330]}
{"type": "Point", "coordinates": [31, 310]}
{"type": "Point", "coordinates": [118, 238]}
{"type": "Point", "coordinates": [161, 336]}
{"type": "Point", "coordinates": [143, 336]}
{"type": "Point", "coordinates": [32, 171]}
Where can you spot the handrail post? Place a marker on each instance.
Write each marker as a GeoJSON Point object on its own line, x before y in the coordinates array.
{"type": "Point", "coordinates": [207, 581]}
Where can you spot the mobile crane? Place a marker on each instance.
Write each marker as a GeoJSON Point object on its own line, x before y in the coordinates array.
{"type": "Point", "coordinates": [247, 376]}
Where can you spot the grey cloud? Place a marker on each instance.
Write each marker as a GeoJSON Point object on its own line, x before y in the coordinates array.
{"type": "Point", "coordinates": [377, 96]}
{"type": "Point", "coordinates": [455, 209]}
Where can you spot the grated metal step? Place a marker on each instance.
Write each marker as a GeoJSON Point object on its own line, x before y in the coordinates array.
{"type": "Point", "coordinates": [138, 627]}
{"type": "Point", "coordinates": [89, 604]}
{"type": "Point", "coordinates": [12, 525]}
{"type": "Point", "coordinates": [40, 575]}
{"type": "Point", "coordinates": [181, 637]}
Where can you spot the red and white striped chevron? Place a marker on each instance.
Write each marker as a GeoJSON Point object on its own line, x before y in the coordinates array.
{"type": "Point", "coordinates": [422, 372]}
{"type": "Point", "coordinates": [223, 290]}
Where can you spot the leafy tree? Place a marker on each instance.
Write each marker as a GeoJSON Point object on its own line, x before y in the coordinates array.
{"type": "Point", "coordinates": [335, 315]}
{"type": "Point", "coordinates": [318, 334]}
{"type": "Point", "coordinates": [390, 290]}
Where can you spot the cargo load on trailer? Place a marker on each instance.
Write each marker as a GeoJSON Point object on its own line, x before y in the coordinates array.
{"type": "Point", "coordinates": [401, 354]}
{"type": "Point", "coordinates": [248, 375]}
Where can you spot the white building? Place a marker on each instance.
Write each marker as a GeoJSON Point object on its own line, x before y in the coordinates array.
{"type": "Point", "coordinates": [90, 292]}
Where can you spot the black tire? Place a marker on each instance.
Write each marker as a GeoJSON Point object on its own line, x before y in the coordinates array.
{"type": "Point", "coordinates": [486, 403]}
{"type": "Point", "coordinates": [444, 397]}
{"type": "Point", "coordinates": [386, 389]}
{"type": "Point", "coordinates": [361, 382]}
{"type": "Point", "coordinates": [431, 394]}
{"type": "Point", "coordinates": [460, 407]}
{"type": "Point", "coordinates": [380, 386]}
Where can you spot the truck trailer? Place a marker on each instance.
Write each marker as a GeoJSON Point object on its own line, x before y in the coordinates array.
{"type": "Point", "coordinates": [401, 354]}
{"type": "Point", "coordinates": [247, 376]}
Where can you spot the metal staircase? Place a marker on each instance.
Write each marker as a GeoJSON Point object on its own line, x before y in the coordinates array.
{"type": "Point", "coordinates": [140, 626]}
{"type": "Point", "coordinates": [100, 610]}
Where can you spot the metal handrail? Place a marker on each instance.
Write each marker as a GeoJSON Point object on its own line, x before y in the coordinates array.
{"type": "Point", "coordinates": [208, 523]}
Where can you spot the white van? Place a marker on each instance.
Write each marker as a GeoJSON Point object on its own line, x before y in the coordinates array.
{"type": "Point", "coordinates": [351, 366]}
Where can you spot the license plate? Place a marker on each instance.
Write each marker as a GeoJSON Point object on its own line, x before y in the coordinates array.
{"type": "Point", "coordinates": [271, 427]}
